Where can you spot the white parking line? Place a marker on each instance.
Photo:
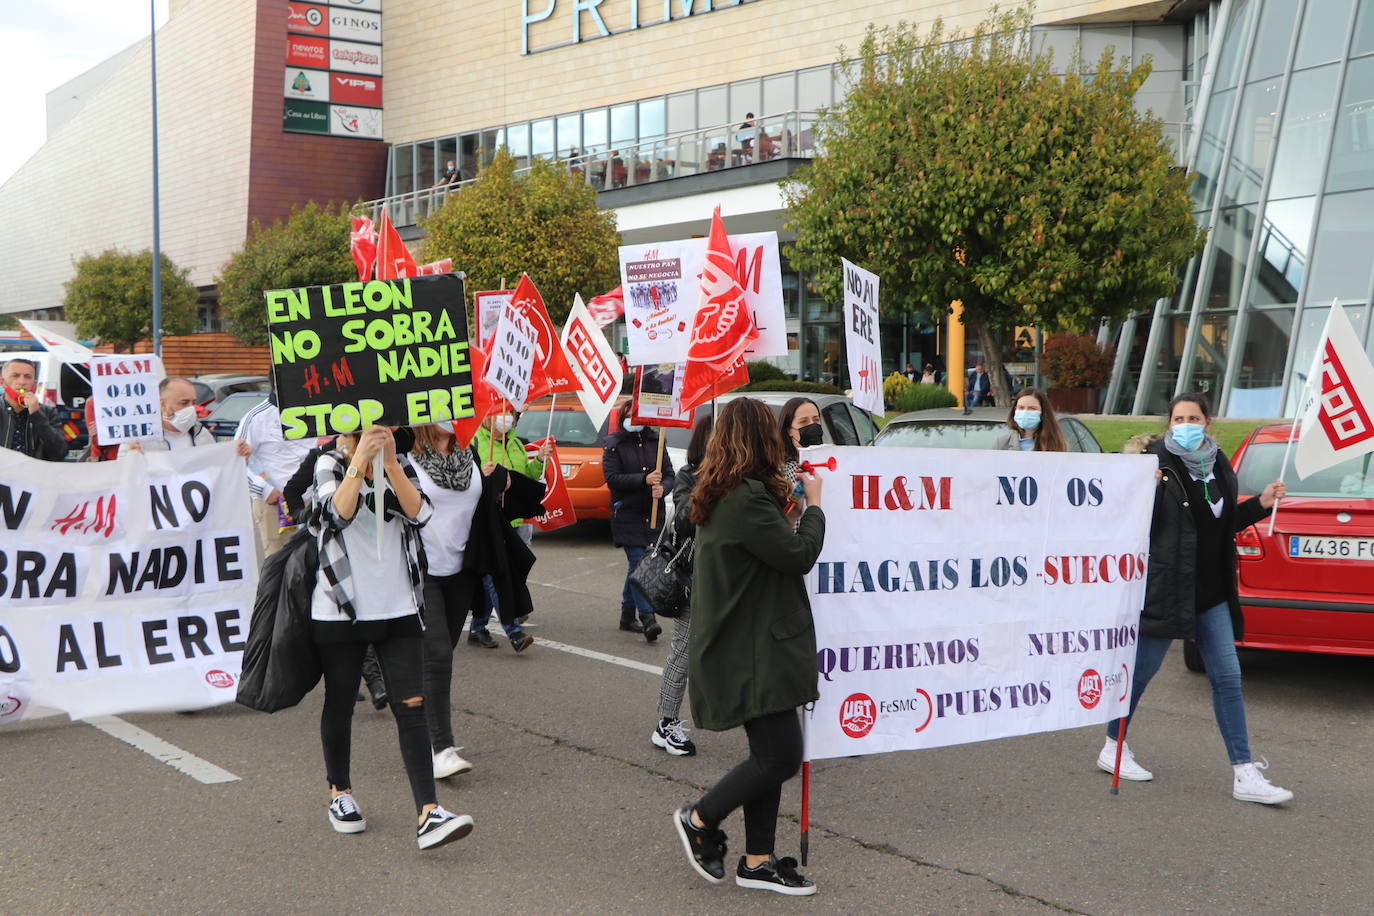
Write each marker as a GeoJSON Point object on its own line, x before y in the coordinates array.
{"type": "Point", "coordinates": [600, 656]}
{"type": "Point", "coordinates": [150, 744]}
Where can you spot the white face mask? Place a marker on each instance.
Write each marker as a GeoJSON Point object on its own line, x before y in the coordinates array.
{"type": "Point", "coordinates": [183, 419]}
{"type": "Point", "coordinates": [503, 423]}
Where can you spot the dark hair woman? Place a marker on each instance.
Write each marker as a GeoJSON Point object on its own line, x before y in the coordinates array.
{"type": "Point", "coordinates": [800, 422]}
{"type": "Point", "coordinates": [628, 462]}
{"type": "Point", "coordinates": [1190, 589]}
{"type": "Point", "coordinates": [1032, 425]}
{"type": "Point", "coordinates": [752, 649]}
{"type": "Point", "coordinates": [669, 733]}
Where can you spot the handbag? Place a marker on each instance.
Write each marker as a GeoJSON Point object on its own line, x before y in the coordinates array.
{"type": "Point", "coordinates": [663, 577]}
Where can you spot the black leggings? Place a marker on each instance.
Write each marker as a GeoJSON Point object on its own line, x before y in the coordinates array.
{"type": "Point", "coordinates": [775, 755]}
{"type": "Point", "coordinates": [447, 602]}
{"type": "Point", "coordinates": [400, 657]}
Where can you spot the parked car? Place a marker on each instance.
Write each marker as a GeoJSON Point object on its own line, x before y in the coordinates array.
{"type": "Point", "coordinates": [943, 427]}
{"type": "Point", "coordinates": [223, 421]}
{"type": "Point", "coordinates": [211, 389]}
{"type": "Point", "coordinates": [579, 450]}
{"type": "Point", "coordinates": [1307, 586]}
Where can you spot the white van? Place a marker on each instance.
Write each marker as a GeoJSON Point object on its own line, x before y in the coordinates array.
{"type": "Point", "coordinates": [59, 383]}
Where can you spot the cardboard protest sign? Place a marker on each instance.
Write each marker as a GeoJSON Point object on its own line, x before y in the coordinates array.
{"type": "Point", "coordinates": [861, 337]}
{"type": "Point", "coordinates": [511, 364]}
{"type": "Point", "coordinates": [125, 396]}
{"type": "Point", "coordinates": [593, 362]}
{"type": "Point", "coordinates": [662, 288]}
{"type": "Point", "coordinates": [658, 396]}
{"type": "Point", "coordinates": [387, 351]}
{"type": "Point", "coordinates": [558, 507]}
{"type": "Point", "coordinates": [488, 306]}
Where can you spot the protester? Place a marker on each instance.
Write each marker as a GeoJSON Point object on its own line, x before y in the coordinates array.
{"type": "Point", "coordinates": [753, 642]}
{"type": "Point", "coordinates": [26, 426]}
{"type": "Point", "coordinates": [468, 539]}
{"type": "Point", "coordinates": [629, 462]}
{"type": "Point", "coordinates": [1032, 425]}
{"type": "Point", "coordinates": [511, 455]}
{"type": "Point", "coordinates": [928, 375]}
{"type": "Point", "coordinates": [272, 460]}
{"type": "Point", "coordinates": [979, 388]}
{"type": "Point", "coordinates": [800, 421]}
{"type": "Point", "coordinates": [1190, 588]}
{"type": "Point", "coordinates": [669, 733]}
{"type": "Point", "coordinates": [370, 594]}
{"type": "Point", "coordinates": [181, 427]}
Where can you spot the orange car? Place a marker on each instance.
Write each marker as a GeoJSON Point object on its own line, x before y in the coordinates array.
{"type": "Point", "coordinates": [579, 450]}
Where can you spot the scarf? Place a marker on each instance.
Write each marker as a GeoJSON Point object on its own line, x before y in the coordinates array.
{"type": "Point", "coordinates": [1197, 462]}
{"type": "Point", "coordinates": [452, 471]}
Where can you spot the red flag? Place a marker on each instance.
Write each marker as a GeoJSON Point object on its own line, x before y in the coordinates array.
{"type": "Point", "coordinates": [393, 258]}
{"type": "Point", "coordinates": [552, 374]}
{"type": "Point", "coordinates": [485, 402]}
{"type": "Point", "coordinates": [435, 267]}
{"type": "Point", "coordinates": [722, 329]}
{"type": "Point", "coordinates": [363, 245]}
{"type": "Point", "coordinates": [607, 307]}
{"type": "Point", "coordinates": [558, 507]}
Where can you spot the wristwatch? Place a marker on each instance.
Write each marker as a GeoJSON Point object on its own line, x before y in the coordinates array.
{"type": "Point", "coordinates": [353, 472]}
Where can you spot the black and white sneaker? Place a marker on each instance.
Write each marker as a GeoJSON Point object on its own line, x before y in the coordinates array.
{"type": "Point", "coordinates": [777, 875]}
{"type": "Point", "coordinates": [442, 827]}
{"type": "Point", "coordinates": [344, 815]}
{"type": "Point", "coordinates": [672, 737]}
{"type": "Point", "coordinates": [705, 846]}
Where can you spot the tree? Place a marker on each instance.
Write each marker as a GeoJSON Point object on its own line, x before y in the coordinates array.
{"type": "Point", "coordinates": [966, 169]}
{"type": "Point", "coordinates": [310, 249]}
{"type": "Point", "coordinates": [544, 223]}
{"type": "Point", "coordinates": [111, 297]}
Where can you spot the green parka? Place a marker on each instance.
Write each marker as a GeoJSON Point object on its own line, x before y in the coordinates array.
{"type": "Point", "coordinates": [753, 642]}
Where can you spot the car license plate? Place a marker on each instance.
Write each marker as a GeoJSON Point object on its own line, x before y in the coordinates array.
{"type": "Point", "coordinates": [567, 469]}
{"type": "Point", "coordinates": [1317, 548]}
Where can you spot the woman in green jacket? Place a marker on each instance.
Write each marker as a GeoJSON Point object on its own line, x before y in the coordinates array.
{"type": "Point", "coordinates": [752, 653]}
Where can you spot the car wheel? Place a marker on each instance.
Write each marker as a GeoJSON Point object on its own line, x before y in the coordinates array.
{"type": "Point", "coordinates": [1192, 656]}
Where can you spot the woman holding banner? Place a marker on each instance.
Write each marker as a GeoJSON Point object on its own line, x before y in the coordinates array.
{"type": "Point", "coordinates": [752, 652]}
{"type": "Point", "coordinates": [630, 464]}
{"type": "Point", "coordinates": [370, 590]}
{"type": "Point", "coordinates": [1032, 425]}
{"type": "Point", "coordinates": [1190, 588]}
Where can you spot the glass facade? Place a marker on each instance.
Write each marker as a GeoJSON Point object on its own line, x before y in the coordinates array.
{"type": "Point", "coordinates": [1284, 165]}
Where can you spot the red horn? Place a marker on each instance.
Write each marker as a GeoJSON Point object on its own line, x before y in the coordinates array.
{"type": "Point", "coordinates": [810, 468]}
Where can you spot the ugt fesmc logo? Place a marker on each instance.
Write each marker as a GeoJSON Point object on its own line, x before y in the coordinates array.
{"type": "Point", "coordinates": [1091, 686]}
{"type": "Point", "coordinates": [218, 678]}
{"type": "Point", "coordinates": [857, 715]}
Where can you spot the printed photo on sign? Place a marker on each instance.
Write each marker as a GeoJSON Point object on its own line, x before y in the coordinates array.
{"type": "Point", "coordinates": [658, 391]}
{"type": "Point", "coordinates": [346, 121]}
{"type": "Point", "coordinates": [351, 57]}
{"type": "Point", "coordinates": [489, 305]}
{"type": "Point", "coordinates": [387, 351]}
{"type": "Point", "coordinates": [307, 84]}
{"type": "Point", "coordinates": [127, 406]}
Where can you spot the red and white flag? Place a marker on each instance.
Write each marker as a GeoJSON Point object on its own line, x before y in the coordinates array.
{"type": "Point", "coordinates": [722, 328]}
{"type": "Point", "coordinates": [393, 258]}
{"type": "Point", "coordinates": [552, 374]}
{"type": "Point", "coordinates": [607, 307]}
{"type": "Point", "coordinates": [593, 363]}
{"type": "Point", "coordinates": [1336, 425]}
{"type": "Point", "coordinates": [435, 267]}
{"type": "Point", "coordinates": [485, 400]}
{"type": "Point", "coordinates": [558, 507]}
{"type": "Point", "coordinates": [363, 245]}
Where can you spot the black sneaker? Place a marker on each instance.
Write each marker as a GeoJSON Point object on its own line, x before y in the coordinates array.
{"type": "Point", "coordinates": [777, 875]}
{"type": "Point", "coordinates": [481, 638]}
{"type": "Point", "coordinates": [521, 641]}
{"type": "Point", "coordinates": [672, 737]}
{"type": "Point", "coordinates": [442, 827]}
{"type": "Point", "coordinates": [705, 846]}
{"type": "Point", "coordinates": [344, 815]}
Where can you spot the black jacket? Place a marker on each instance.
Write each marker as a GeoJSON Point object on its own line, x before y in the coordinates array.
{"type": "Point", "coordinates": [686, 480]}
{"type": "Point", "coordinates": [1170, 608]}
{"type": "Point", "coordinates": [44, 439]}
{"type": "Point", "coordinates": [494, 547]}
{"type": "Point", "coordinates": [627, 460]}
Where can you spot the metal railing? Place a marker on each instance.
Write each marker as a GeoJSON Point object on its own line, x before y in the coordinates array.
{"type": "Point", "coordinates": [789, 135]}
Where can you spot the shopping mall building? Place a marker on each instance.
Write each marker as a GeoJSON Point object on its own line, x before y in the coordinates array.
{"type": "Point", "coordinates": [270, 104]}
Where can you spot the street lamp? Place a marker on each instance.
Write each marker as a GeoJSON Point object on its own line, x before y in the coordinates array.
{"type": "Point", "coordinates": [157, 217]}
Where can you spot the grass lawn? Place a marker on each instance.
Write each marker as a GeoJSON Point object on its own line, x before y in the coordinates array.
{"type": "Point", "coordinates": [1114, 433]}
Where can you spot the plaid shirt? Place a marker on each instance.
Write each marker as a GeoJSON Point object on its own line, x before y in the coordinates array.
{"type": "Point", "coordinates": [327, 525]}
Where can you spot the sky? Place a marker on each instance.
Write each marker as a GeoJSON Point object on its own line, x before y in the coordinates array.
{"type": "Point", "coordinates": [47, 44]}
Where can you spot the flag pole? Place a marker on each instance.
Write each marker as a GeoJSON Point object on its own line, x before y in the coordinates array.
{"type": "Point", "coordinates": [1120, 743]}
{"type": "Point", "coordinates": [1309, 392]}
{"type": "Point", "coordinates": [805, 798]}
{"type": "Point", "coordinates": [658, 468]}
{"type": "Point", "coordinates": [1283, 468]}
{"type": "Point", "coordinates": [553, 404]}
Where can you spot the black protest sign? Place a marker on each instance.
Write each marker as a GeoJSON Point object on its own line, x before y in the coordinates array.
{"type": "Point", "coordinates": [347, 356]}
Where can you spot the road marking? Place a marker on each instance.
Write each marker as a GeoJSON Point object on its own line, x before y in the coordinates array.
{"type": "Point", "coordinates": [600, 656]}
{"type": "Point", "coordinates": [150, 744]}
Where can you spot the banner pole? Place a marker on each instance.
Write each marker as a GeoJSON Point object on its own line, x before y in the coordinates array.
{"type": "Point", "coordinates": [658, 467]}
{"type": "Point", "coordinates": [491, 441]}
{"type": "Point", "coordinates": [805, 798]}
{"type": "Point", "coordinates": [1120, 743]}
{"type": "Point", "coordinates": [553, 404]}
{"type": "Point", "coordinates": [379, 495]}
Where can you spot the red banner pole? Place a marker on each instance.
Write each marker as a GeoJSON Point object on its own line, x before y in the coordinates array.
{"type": "Point", "coordinates": [1120, 743]}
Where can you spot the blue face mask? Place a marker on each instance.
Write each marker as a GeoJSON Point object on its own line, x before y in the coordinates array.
{"type": "Point", "coordinates": [1188, 435]}
{"type": "Point", "coordinates": [1027, 419]}
{"type": "Point", "coordinates": [631, 427]}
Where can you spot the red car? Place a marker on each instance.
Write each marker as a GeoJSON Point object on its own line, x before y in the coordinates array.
{"type": "Point", "coordinates": [1308, 587]}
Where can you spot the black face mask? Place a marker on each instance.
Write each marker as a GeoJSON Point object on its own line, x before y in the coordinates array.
{"type": "Point", "coordinates": [810, 435]}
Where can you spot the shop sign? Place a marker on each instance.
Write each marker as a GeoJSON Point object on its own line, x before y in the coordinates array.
{"type": "Point", "coordinates": [565, 18]}
{"type": "Point", "coordinates": [350, 89]}
{"type": "Point", "coordinates": [306, 84]}
{"type": "Point", "coordinates": [347, 121]}
{"type": "Point", "coordinates": [373, 5]}
{"type": "Point", "coordinates": [307, 19]}
{"type": "Point", "coordinates": [355, 25]}
{"type": "Point", "coordinates": [351, 57]}
{"type": "Point", "coordinates": [305, 117]}
{"type": "Point", "coordinates": [307, 52]}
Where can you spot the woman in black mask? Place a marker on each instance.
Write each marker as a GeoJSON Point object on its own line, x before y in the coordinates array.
{"type": "Point", "coordinates": [801, 428]}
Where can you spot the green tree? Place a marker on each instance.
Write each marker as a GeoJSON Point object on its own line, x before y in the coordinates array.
{"type": "Point", "coordinates": [310, 249]}
{"type": "Point", "coordinates": [111, 297]}
{"type": "Point", "coordinates": [964, 168]}
{"type": "Point", "coordinates": [544, 223]}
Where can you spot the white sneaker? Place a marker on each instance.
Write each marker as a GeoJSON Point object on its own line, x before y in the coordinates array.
{"type": "Point", "coordinates": [344, 815]}
{"type": "Point", "coordinates": [448, 763]}
{"type": "Point", "coordinates": [1250, 785]}
{"type": "Point", "coordinates": [1106, 761]}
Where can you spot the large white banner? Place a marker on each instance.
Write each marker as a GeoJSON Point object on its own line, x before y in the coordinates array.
{"type": "Point", "coordinates": [969, 595]}
{"type": "Point", "coordinates": [861, 341]}
{"type": "Point", "coordinates": [125, 586]}
{"type": "Point", "coordinates": [661, 282]}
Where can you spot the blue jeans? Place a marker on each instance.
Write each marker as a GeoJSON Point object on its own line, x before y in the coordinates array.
{"type": "Point", "coordinates": [482, 617]}
{"type": "Point", "coordinates": [628, 598]}
{"type": "Point", "coordinates": [1216, 640]}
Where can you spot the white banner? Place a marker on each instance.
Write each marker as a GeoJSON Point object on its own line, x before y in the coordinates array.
{"type": "Point", "coordinates": [969, 595]}
{"type": "Point", "coordinates": [593, 362]}
{"type": "Point", "coordinates": [512, 357]}
{"type": "Point", "coordinates": [861, 337]}
{"type": "Point", "coordinates": [661, 282]}
{"type": "Point", "coordinates": [125, 586]}
{"type": "Point", "coordinates": [127, 406]}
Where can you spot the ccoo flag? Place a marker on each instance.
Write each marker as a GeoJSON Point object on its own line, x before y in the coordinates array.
{"type": "Point", "coordinates": [1336, 424]}
{"type": "Point", "coordinates": [722, 328]}
{"type": "Point", "coordinates": [593, 362]}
